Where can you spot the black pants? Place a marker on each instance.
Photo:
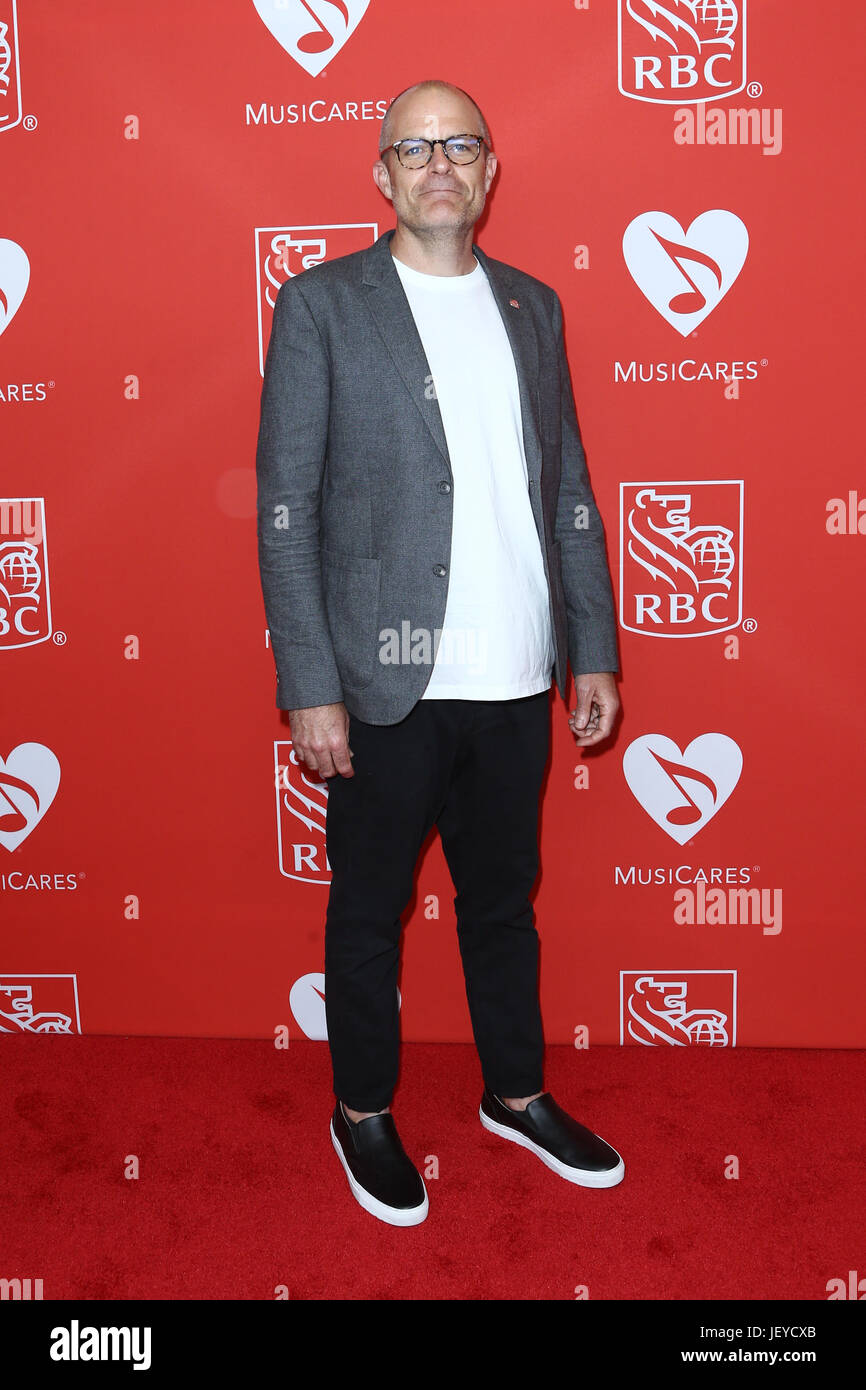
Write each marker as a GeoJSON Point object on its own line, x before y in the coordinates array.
{"type": "Point", "coordinates": [474, 769]}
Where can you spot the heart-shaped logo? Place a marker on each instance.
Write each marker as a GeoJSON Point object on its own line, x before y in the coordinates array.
{"type": "Point", "coordinates": [307, 1003]}
{"type": "Point", "coordinates": [312, 31]}
{"type": "Point", "coordinates": [14, 279]}
{"type": "Point", "coordinates": [684, 275]}
{"type": "Point", "coordinates": [29, 779]}
{"type": "Point", "coordinates": [682, 791]}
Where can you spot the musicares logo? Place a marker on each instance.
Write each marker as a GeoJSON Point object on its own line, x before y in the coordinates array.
{"type": "Point", "coordinates": [682, 791]}
{"type": "Point", "coordinates": [14, 279]}
{"type": "Point", "coordinates": [657, 252]}
{"type": "Point", "coordinates": [29, 779]}
{"type": "Point", "coordinates": [307, 1003]}
{"type": "Point", "coordinates": [681, 50]}
{"type": "Point", "coordinates": [312, 31]}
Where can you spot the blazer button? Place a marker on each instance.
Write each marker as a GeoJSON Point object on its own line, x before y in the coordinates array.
{"type": "Point", "coordinates": [440, 570]}
{"type": "Point", "coordinates": [444, 487]}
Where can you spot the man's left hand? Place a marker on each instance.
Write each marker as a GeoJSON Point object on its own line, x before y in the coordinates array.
{"type": "Point", "coordinates": [597, 704]}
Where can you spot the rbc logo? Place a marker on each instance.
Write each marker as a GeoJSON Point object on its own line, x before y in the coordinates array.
{"type": "Point", "coordinates": [10, 84]}
{"type": "Point", "coordinates": [678, 1008]}
{"type": "Point", "coordinates": [677, 51]}
{"type": "Point", "coordinates": [284, 252]}
{"type": "Point", "coordinates": [302, 808]}
{"type": "Point", "coordinates": [25, 607]}
{"type": "Point", "coordinates": [39, 1004]}
{"type": "Point", "coordinates": [680, 558]}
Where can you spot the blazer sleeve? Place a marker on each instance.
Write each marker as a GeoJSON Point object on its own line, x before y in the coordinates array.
{"type": "Point", "coordinates": [590, 609]}
{"type": "Point", "coordinates": [291, 455]}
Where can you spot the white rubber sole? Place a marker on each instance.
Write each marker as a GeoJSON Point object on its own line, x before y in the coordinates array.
{"type": "Point", "coordinates": [583, 1177]}
{"type": "Point", "coordinates": [394, 1216]}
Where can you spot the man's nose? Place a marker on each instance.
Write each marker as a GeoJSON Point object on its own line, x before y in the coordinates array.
{"type": "Point", "coordinates": [439, 160]}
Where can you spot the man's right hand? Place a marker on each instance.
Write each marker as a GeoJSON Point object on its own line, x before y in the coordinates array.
{"type": "Point", "coordinates": [320, 736]}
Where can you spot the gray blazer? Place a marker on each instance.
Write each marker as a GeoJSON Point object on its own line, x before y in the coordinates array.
{"type": "Point", "coordinates": [355, 488]}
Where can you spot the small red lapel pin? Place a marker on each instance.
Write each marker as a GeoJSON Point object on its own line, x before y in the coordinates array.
{"type": "Point", "coordinates": [514, 304]}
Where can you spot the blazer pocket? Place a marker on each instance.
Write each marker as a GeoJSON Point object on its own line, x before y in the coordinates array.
{"type": "Point", "coordinates": [351, 590]}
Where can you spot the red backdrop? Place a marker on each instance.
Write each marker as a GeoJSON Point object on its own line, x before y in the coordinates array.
{"type": "Point", "coordinates": [685, 176]}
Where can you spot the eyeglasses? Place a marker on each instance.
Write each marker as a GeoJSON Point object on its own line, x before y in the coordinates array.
{"type": "Point", "coordinates": [460, 149]}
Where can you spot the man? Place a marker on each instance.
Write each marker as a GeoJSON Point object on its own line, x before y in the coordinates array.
{"type": "Point", "coordinates": [430, 553]}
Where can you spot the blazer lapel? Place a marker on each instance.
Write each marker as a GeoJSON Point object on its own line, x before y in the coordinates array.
{"type": "Point", "coordinates": [524, 345]}
{"type": "Point", "coordinates": [390, 309]}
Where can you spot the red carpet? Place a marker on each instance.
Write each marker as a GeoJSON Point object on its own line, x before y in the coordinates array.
{"type": "Point", "coordinates": [240, 1190]}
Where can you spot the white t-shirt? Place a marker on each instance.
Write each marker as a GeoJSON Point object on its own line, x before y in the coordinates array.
{"type": "Point", "coordinates": [496, 641]}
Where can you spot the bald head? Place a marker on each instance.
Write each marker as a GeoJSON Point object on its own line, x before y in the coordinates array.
{"type": "Point", "coordinates": [392, 115]}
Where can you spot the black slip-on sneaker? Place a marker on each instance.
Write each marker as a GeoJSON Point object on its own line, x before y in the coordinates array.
{"type": "Point", "coordinates": [382, 1176]}
{"type": "Point", "coordinates": [548, 1131]}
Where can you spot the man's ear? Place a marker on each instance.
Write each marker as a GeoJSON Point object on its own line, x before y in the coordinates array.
{"type": "Point", "coordinates": [490, 171]}
{"type": "Point", "coordinates": [382, 179]}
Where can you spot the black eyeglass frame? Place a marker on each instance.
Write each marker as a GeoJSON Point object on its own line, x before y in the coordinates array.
{"type": "Point", "coordinates": [424, 140]}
